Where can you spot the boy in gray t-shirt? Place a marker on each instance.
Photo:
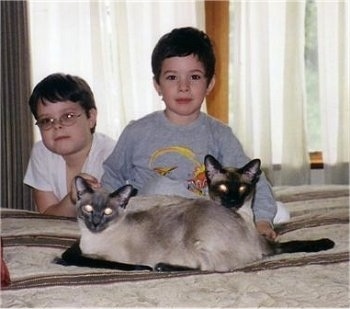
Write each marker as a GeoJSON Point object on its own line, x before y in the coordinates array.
{"type": "Point", "coordinates": [164, 151]}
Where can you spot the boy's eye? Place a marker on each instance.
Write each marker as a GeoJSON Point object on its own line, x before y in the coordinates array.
{"type": "Point", "coordinates": [196, 77]}
{"type": "Point", "coordinates": [45, 121]}
{"type": "Point", "coordinates": [66, 119]}
{"type": "Point", "coordinates": [67, 116]}
{"type": "Point", "coordinates": [171, 77]}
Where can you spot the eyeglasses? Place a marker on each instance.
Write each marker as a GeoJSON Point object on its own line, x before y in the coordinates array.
{"type": "Point", "coordinates": [67, 120]}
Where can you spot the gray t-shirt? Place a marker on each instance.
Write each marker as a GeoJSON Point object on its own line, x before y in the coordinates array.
{"type": "Point", "coordinates": [152, 147]}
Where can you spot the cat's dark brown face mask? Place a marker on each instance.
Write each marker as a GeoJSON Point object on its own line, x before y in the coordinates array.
{"type": "Point", "coordinates": [97, 208]}
{"type": "Point", "coordinates": [231, 187]}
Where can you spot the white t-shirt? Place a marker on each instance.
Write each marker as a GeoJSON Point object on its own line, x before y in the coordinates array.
{"type": "Point", "coordinates": [46, 170]}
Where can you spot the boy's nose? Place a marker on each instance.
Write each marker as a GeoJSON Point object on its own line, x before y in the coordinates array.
{"type": "Point", "coordinates": [57, 124]}
{"type": "Point", "coordinates": [184, 85]}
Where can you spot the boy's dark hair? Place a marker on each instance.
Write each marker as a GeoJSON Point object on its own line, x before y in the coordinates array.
{"type": "Point", "coordinates": [182, 42]}
{"type": "Point", "coordinates": [59, 87]}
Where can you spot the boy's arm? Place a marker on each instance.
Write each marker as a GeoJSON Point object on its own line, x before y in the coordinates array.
{"type": "Point", "coordinates": [264, 228]}
{"type": "Point", "coordinates": [112, 176]}
{"type": "Point", "coordinates": [37, 177]}
{"type": "Point", "coordinates": [264, 203]}
{"type": "Point", "coordinates": [47, 203]}
{"type": "Point", "coordinates": [117, 166]}
{"type": "Point", "coordinates": [264, 208]}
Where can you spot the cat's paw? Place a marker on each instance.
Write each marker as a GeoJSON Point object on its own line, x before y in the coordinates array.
{"type": "Point", "coordinates": [161, 267]}
{"type": "Point", "coordinates": [143, 267]}
{"type": "Point", "coordinates": [59, 261]}
{"type": "Point", "coordinates": [168, 267]}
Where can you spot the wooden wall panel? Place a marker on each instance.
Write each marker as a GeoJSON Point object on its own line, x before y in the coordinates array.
{"type": "Point", "coordinates": [217, 27]}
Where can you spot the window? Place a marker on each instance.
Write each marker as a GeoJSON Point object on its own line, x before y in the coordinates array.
{"type": "Point", "coordinates": [313, 117]}
{"type": "Point", "coordinates": [312, 86]}
{"type": "Point", "coordinates": [311, 74]}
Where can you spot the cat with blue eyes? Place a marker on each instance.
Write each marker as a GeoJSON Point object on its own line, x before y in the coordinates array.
{"type": "Point", "coordinates": [170, 233]}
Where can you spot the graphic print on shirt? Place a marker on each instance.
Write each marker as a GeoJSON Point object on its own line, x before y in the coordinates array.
{"type": "Point", "coordinates": [196, 182]}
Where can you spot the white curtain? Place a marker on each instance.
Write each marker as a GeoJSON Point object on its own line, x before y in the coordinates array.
{"type": "Point", "coordinates": [333, 42]}
{"type": "Point", "coordinates": [109, 44]}
{"type": "Point", "coordinates": [267, 92]}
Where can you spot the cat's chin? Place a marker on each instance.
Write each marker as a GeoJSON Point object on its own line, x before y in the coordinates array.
{"type": "Point", "coordinates": [232, 205]}
{"type": "Point", "coordinates": [227, 204]}
{"type": "Point", "coordinates": [96, 229]}
{"type": "Point", "coordinates": [91, 229]}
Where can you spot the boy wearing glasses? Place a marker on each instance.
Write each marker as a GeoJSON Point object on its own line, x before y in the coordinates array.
{"type": "Point", "coordinates": [65, 112]}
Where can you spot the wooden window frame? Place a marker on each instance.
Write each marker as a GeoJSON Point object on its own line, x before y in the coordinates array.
{"type": "Point", "coordinates": [217, 27]}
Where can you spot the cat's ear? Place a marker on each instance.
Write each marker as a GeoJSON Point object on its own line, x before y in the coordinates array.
{"type": "Point", "coordinates": [212, 167]}
{"type": "Point", "coordinates": [251, 171]}
{"type": "Point", "coordinates": [82, 186]}
{"type": "Point", "coordinates": [123, 194]}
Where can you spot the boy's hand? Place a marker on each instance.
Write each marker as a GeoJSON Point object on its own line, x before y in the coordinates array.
{"type": "Point", "coordinates": [265, 229]}
{"type": "Point", "coordinates": [91, 180]}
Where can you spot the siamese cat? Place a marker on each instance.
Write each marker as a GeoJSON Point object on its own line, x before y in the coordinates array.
{"type": "Point", "coordinates": [216, 234]}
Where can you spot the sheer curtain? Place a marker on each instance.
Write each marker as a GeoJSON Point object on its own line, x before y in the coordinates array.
{"type": "Point", "coordinates": [109, 44]}
{"type": "Point", "coordinates": [333, 41]}
{"type": "Point", "coordinates": [267, 94]}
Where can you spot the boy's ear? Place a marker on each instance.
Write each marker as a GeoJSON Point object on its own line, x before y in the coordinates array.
{"type": "Point", "coordinates": [211, 85]}
{"type": "Point", "coordinates": [92, 117]}
{"type": "Point", "coordinates": [157, 87]}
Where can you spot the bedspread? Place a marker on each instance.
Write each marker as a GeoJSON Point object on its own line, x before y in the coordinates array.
{"type": "Point", "coordinates": [31, 241]}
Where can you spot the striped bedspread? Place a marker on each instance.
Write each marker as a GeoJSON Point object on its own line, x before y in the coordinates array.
{"type": "Point", "coordinates": [31, 241]}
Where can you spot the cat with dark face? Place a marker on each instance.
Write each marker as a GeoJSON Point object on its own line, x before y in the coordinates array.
{"type": "Point", "coordinates": [231, 187]}
{"type": "Point", "coordinates": [175, 233]}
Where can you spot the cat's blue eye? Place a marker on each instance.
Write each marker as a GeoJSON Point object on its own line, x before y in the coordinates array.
{"type": "Point", "coordinates": [88, 208]}
{"type": "Point", "coordinates": [223, 188]}
{"type": "Point", "coordinates": [242, 189]}
{"type": "Point", "coordinates": [108, 211]}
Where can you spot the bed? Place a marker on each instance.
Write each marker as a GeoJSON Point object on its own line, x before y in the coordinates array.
{"type": "Point", "coordinates": [31, 241]}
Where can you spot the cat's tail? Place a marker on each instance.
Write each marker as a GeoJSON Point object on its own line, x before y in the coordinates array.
{"type": "Point", "coordinates": [303, 246]}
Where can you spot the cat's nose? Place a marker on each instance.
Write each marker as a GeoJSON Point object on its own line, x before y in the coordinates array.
{"type": "Point", "coordinates": [96, 220]}
{"type": "Point", "coordinates": [232, 203]}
